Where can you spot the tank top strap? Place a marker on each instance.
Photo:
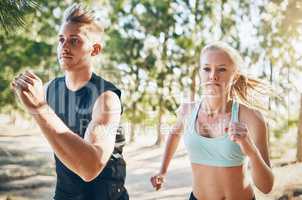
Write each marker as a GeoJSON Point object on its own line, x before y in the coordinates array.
{"type": "Point", "coordinates": [192, 117]}
{"type": "Point", "coordinates": [235, 111]}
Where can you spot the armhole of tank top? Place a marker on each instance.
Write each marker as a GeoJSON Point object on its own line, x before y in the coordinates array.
{"type": "Point", "coordinates": [193, 115]}
{"type": "Point", "coordinates": [45, 88]}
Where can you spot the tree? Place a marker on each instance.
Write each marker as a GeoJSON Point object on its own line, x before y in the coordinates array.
{"type": "Point", "coordinates": [12, 13]}
{"type": "Point", "coordinates": [134, 24]}
{"type": "Point", "coordinates": [299, 135]}
{"type": "Point", "coordinates": [31, 46]}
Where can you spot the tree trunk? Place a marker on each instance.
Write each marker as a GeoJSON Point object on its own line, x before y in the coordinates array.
{"type": "Point", "coordinates": [193, 86]}
{"type": "Point", "coordinates": [13, 118]}
{"type": "Point", "coordinates": [299, 135]}
{"type": "Point", "coordinates": [160, 137]}
{"type": "Point", "coordinates": [269, 108]}
{"type": "Point", "coordinates": [132, 133]}
{"type": "Point", "coordinates": [132, 126]}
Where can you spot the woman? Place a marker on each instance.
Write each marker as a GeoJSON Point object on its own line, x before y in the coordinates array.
{"type": "Point", "coordinates": [221, 134]}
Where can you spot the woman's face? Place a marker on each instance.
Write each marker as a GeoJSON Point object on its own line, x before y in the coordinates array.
{"type": "Point", "coordinates": [216, 73]}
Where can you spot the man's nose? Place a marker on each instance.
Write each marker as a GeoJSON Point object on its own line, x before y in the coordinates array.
{"type": "Point", "coordinates": [65, 48]}
{"type": "Point", "coordinates": [65, 45]}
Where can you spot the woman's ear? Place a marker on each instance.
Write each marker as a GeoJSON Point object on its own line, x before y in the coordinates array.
{"type": "Point", "coordinates": [235, 77]}
{"type": "Point", "coordinates": [97, 49]}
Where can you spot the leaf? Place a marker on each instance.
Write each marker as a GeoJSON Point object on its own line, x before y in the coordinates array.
{"type": "Point", "coordinates": [12, 13]}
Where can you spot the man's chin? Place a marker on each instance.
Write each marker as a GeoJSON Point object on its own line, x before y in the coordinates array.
{"type": "Point", "coordinates": [66, 66]}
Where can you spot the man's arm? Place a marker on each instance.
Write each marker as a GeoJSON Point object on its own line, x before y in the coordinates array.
{"type": "Point", "coordinates": [86, 157]}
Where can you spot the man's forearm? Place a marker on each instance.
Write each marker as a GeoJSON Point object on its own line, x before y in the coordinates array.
{"type": "Point", "coordinates": [261, 173]}
{"type": "Point", "coordinates": [77, 154]}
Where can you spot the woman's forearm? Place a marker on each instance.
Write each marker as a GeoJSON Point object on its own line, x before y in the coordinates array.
{"type": "Point", "coordinates": [171, 146]}
{"type": "Point", "coordinates": [261, 173]}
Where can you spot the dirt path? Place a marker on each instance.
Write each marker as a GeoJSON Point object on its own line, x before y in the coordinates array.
{"type": "Point", "coordinates": [27, 161]}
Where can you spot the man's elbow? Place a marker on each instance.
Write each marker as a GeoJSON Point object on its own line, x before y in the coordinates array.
{"type": "Point", "coordinates": [93, 172]}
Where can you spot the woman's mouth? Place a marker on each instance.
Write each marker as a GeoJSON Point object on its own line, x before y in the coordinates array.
{"type": "Point", "coordinates": [212, 84]}
{"type": "Point", "coordinates": [66, 56]}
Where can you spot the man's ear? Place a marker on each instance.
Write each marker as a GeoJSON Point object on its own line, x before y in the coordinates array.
{"type": "Point", "coordinates": [97, 49]}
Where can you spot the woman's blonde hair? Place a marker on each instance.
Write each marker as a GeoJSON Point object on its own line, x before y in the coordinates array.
{"type": "Point", "coordinates": [243, 88]}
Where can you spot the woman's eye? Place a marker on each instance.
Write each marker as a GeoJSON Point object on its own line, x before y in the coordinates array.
{"type": "Point", "coordinates": [207, 69]}
{"type": "Point", "coordinates": [222, 70]}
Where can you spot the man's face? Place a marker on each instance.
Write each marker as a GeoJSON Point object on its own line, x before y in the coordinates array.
{"type": "Point", "coordinates": [74, 49]}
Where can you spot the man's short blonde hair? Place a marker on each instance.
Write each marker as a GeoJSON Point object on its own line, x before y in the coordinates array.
{"type": "Point", "coordinates": [79, 14]}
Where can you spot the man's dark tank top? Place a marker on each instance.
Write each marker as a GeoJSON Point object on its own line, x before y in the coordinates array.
{"type": "Point", "coordinates": [74, 108]}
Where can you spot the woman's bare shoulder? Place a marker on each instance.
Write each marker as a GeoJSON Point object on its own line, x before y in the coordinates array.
{"type": "Point", "coordinates": [186, 108]}
{"type": "Point", "coordinates": [248, 114]}
{"type": "Point", "coordinates": [253, 118]}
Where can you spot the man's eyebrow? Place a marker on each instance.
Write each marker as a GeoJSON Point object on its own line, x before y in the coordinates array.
{"type": "Point", "coordinates": [69, 35]}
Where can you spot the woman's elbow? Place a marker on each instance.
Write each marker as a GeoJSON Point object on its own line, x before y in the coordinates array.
{"type": "Point", "coordinates": [267, 190]}
{"type": "Point", "coordinates": [269, 187]}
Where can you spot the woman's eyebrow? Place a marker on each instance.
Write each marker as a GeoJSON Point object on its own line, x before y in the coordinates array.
{"type": "Point", "coordinates": [219, 65]}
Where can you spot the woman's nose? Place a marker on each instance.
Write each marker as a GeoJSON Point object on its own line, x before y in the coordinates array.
{"type": "Point", "coordinates": [213, 75]}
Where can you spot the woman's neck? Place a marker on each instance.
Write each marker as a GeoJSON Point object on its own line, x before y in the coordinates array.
{"type": "Point", "coordinates": [214, 106]}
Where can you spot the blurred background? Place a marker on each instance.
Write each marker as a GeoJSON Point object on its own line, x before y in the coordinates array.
{"type": "Point", "coordinates": [151, 53]}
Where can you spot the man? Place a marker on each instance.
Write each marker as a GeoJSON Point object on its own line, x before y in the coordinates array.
{"type": "Point", "coordinates": [79, 114]}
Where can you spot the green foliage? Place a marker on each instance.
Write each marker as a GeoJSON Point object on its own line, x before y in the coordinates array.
{"type": "Point", "coordinates": [284, 127]}
{"type": "Point", "coordinates": [28, 44]}
{"type": "Point", "coordinates": [152, 47]}
{"type": "Point", "coordinates": [12, 13]}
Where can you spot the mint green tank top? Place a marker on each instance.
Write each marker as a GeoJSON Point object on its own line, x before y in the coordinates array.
{"type": "Point", "coordinates": [218, 151]}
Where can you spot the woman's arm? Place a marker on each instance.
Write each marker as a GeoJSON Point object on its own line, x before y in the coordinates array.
{"type": "Point", "coordinates": [260, 164]}
{"type": "Point", "coordinates": [171, 145]}
{"type": "Point", "coordinates": [252, 137]}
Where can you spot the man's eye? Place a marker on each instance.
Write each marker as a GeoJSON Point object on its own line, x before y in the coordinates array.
{"type": "Point", "coordinates": [74, 41]}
